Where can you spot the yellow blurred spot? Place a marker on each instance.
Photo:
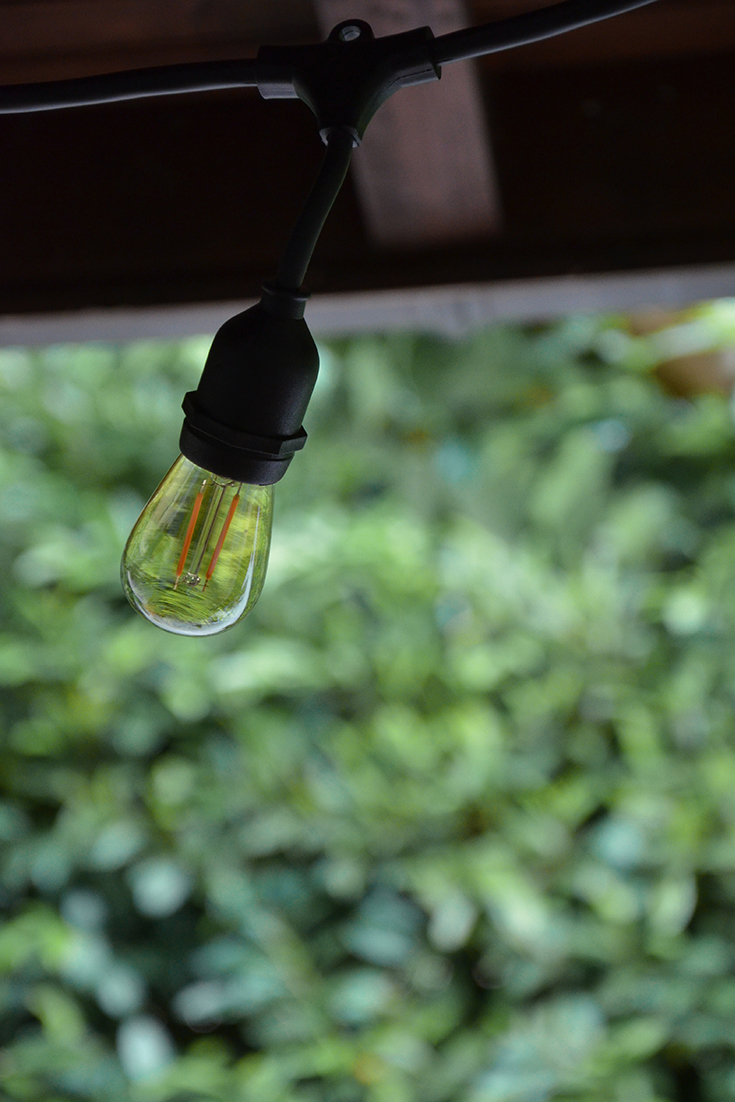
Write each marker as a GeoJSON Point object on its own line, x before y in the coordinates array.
{"type": "Point", "coordinates": [368, 1069]}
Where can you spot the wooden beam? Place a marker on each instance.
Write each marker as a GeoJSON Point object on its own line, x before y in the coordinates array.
{"type": "Point", "coordinates": [424, 174]}
{"type": "Point", "coordinates": [607, 165]}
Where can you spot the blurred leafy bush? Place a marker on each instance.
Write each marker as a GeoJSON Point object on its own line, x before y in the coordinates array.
{"type": "Point", "coordinates": [451, 817]}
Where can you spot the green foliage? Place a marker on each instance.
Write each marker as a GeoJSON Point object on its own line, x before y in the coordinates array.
{"type": "Point", "coordinates": [450, 817]}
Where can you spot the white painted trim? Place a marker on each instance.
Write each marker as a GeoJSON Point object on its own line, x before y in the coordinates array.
{"type": "Point", "coordinates": [447, 311]}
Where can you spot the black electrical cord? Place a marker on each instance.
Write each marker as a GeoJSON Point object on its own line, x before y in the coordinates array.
{"type": "Point", "coordinates": [521, 30]}
{"type": "Point", "coordinates": [198, 76]}
{"type": "Point", "coordinates": [331, 176]}
{"type": "Point", "coordinates": [204, 76]}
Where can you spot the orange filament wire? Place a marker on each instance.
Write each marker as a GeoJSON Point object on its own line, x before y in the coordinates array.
{"type": "Point", "coordinates": [189, 533]}
{"type": "Point", "coordinates": [222, 536]}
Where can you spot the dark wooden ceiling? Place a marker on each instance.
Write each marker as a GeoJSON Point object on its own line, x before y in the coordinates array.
{"type": "Point", "coordinates": [607, 149]}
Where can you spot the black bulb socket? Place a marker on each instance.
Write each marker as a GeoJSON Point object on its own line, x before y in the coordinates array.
{"type": "Point", "coordinates": [244, 420]}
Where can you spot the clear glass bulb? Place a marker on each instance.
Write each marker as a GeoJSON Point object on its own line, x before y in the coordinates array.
{"type": "Point", "coordinates": [196, 559]}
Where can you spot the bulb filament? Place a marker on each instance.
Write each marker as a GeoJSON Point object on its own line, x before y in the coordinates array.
{"type": "Point", "coordinates": [228, 521]}
{"type": "Point", "coordinates": [193, 576]}
{"type": "Point", "coordinates": [189, 533]}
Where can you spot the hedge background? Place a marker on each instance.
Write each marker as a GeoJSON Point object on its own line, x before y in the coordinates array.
{"type": "Point", "coordinates": [451, 816]}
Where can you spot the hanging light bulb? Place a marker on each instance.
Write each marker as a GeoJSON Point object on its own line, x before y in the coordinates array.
{"type": "Point", "coordinates": [196, 559]}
